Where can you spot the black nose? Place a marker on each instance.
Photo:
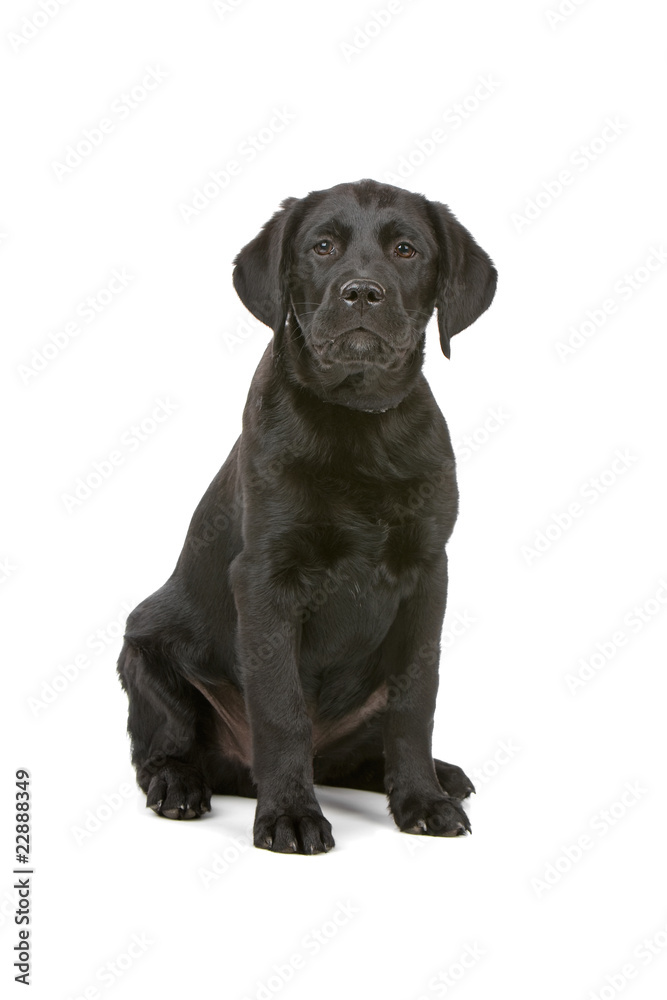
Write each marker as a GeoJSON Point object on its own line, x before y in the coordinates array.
{"type": "Point", "coordinates": [362, 290]}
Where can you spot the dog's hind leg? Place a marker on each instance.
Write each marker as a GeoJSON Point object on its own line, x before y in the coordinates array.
{"type": "Point", "coordinates": [369, 776]}
{"type": "Point", "coordinates": [165, 720]}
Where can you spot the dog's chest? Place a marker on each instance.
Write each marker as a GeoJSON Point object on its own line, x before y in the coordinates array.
{"type": "Point", "coordinates": [344, 545]}
{"type": "Point", "coordinates": [355, 542]}
{"type": "Point", "coordinates": [345, 579]}
{"type": "Point", "coordinates": [337, 525]}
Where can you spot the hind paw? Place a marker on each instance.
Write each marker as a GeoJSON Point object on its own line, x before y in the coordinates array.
{"type": "Point", "coordinates": [178, 791]}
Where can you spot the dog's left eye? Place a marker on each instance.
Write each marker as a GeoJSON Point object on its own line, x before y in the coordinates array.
{"type": "Point", "coordinates": [324, 247]}
{"type": "Point", "coordinates": [405, 250]}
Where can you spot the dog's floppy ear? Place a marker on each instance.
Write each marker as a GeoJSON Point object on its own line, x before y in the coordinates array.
{"type": "Point", "coordinates": [466, 277]}
{"type": "Point", "coordinates": [260, 277]}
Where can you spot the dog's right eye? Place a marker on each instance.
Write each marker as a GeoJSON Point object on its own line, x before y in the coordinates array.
{"type": "Point", "coordinates": [324, 247]}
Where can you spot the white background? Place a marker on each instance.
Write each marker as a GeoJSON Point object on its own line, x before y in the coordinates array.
{"type": "Point", "coordinates": [531, 922]}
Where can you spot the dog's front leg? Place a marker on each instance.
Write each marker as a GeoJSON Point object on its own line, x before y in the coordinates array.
{"type": "Point", "coordinates": [288, 817]}
{"type": "Point", "coordinates": [417, 800]}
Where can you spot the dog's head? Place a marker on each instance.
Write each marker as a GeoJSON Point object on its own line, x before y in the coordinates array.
{"type": "Point", "coordinates": [348, 278]}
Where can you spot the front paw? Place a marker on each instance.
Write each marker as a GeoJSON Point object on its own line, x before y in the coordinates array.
{"type": "Point", "coordinates": [293, 830]}
{"type": "Point", "coordinates": [434, 815]}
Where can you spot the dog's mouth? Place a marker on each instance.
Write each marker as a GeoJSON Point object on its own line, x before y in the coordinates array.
{"type": "Point", "coordinates": [359, 347]}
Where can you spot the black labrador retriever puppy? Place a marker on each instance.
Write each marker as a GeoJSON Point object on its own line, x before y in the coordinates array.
{"type": "Point", "coordinates": [297, 641]}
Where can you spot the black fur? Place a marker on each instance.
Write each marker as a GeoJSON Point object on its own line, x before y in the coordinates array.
{"type": "Point", "coordinates": [297, 641]}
